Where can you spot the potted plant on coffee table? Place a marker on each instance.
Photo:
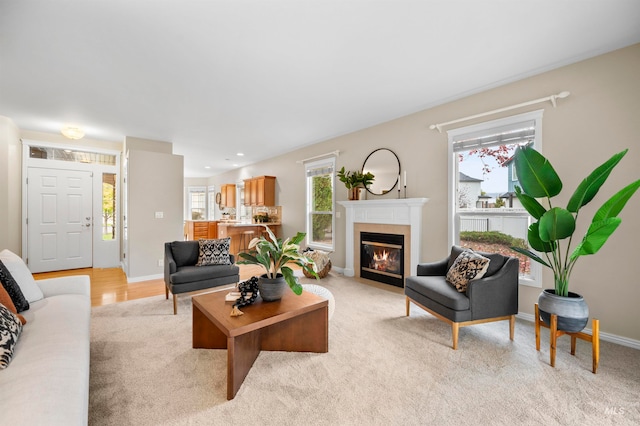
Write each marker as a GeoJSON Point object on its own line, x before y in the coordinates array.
{"type": "Point", "coordinates": [354, 181]}
{"type": "Point", "coordinates": [552, 233]}
{"type": "Point", "coordinates": [274, 255]}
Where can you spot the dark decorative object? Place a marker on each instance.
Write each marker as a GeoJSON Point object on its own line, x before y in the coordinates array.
{"type": "Point", "coordinates": [246, 288]}
{"type": "Point", "coordinates": [12, 287]}
{"type": "Point", "coordinates": [385, 165]}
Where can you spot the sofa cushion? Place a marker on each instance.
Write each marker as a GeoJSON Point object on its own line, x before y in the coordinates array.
{"type": "Point", "coordinates": [439, 290]}
{"type": "Point", "coordinates": [10, 329]}
{"type": "Point", "coordinates": [185, 252]}
{"type": "Point", "coordinates": [187, 274]}
{"type": "Point", "coordinates": [5, 300]}
{"type": "Point", "coordinates": [468, 266]}
{"type": "Point", "coordinates": [214, 252]}
{"type": "Point", "coordinates": [22, 275]}
{"type": "Point", "coordinates": [13, 289]}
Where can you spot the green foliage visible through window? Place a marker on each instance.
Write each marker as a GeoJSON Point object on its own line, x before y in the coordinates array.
{"type": "Point", "coordinates": [321, 217]}
{"type": "Point", "coordinates": [108, 206]}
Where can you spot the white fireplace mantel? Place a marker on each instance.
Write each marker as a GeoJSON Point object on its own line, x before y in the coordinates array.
{"type": "Point", "coordinates": [388, 211]}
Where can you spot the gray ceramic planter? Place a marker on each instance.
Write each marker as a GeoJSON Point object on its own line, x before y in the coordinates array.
{"type": "Point", "coordinates": [272, 289]}
{"type": "Point", "coordinates": [572, 311]}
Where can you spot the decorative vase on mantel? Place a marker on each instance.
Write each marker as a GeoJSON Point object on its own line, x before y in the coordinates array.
{"type": "Point", "coordinates": [271, 290]}
{"type": "Point", "coordinates": [572, 310]}
{"type": "Point", "coordinates": [355, 193]}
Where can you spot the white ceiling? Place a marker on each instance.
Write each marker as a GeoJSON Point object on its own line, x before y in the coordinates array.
{"type": "Point", "coordinates": [266, 77]}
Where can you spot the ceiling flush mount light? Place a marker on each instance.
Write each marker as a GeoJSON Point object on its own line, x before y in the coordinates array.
{"type": "Point", "coordinates": [240, 154]}
{"type": "Point", "coordinates": [72, 132]}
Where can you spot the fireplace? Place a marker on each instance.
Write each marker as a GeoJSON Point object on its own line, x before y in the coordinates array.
{"type": "Point", "coordinates": [382, 257]}
{"type": "Point", "coordinates": [383, 215]}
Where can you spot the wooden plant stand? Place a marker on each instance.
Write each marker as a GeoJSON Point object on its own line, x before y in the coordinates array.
{"type": "Point", "coordinates": [554, 333]}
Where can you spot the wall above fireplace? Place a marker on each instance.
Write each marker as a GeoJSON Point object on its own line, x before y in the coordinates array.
{"type": "Point", "coordinates": [388, 211]}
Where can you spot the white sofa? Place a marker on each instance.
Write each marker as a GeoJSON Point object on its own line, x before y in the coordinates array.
{"type": "Point", "coordinates": [47, 381]}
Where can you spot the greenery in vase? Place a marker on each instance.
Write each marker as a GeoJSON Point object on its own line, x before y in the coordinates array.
{"type": "Point", "coordinates": [355, 179]}
{"type": "Point", "coordinates": [553, 230]}
{"type": "Point", "coordinates": [273, 255]}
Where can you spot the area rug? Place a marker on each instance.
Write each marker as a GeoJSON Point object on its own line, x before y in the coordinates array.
{"type": "Point", "coordinates": [382, 368]}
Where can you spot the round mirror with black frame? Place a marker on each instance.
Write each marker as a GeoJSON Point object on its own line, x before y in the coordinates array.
{"type": "Point", "coordinates": [384, 164]}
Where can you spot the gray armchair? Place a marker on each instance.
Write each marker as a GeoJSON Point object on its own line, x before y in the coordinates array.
{"type": "Point", "coordinates": [182, 276]}
{"type": "Point", "coordinates": [494, 297]}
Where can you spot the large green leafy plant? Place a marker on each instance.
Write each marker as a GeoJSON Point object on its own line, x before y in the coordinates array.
{"type": "Point", "coordinates": [552, 233]}
{"type": "Point", "coordinates": [274, 255]}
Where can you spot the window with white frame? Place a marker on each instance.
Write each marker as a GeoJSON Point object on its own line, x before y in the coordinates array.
{"type": "Point", "coordinates": [484, 213]}
{"type": "Point", "coordinates": [320, 177]}
{"type": "Point", "coordinates": [196, 203]}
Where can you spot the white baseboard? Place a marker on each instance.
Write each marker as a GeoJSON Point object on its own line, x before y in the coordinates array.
{"type": "Point", "coordinates": [337, 269]}
{"type": "Point", "coordinates": [145, 278]}
{"type": "Point", "coordinates": [608, 337]}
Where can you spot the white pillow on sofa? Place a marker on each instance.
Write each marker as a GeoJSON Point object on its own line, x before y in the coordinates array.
{"type": "Point", "coordinates": [22, 275]}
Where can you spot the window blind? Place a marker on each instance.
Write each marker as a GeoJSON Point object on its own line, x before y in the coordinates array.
{"type": "Point", "coordinates": [320, 169]}
{"type": "Point", "coordinates": [516, 133]}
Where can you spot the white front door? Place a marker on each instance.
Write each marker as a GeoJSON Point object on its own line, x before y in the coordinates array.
{"type": "Point", "coordinates": [59, 219]}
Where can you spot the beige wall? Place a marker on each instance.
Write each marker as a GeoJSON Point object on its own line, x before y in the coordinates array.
{"type": "Point", "coordinates": [155, 183]}
{"type": "Point", "coordinates": [599, 119]}
{"type": "Point", "coordinates": [10, 187]}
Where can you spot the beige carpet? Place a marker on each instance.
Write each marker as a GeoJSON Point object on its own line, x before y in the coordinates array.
{"type": "Point", "coordinates": [382, 369]}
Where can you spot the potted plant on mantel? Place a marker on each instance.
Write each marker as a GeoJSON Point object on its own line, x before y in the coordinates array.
{"type": "Point", "coordinates": [273, 254]}
{"type": "Point", "coordinates": [553, 232]}
{"type": "Point", "coordinates": [354, 181]}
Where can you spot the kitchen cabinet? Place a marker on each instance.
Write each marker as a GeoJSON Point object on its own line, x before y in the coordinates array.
{"type": "Point", "coordinates": [201, 229]}
{"type": "Point", "coordinates": [228, 195]}
{"type": "Point", "coordinates": [260, 191]}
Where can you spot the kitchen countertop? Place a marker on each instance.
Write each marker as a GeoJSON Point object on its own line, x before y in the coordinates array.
{"type": "Point", "coordinates": [239, 224]}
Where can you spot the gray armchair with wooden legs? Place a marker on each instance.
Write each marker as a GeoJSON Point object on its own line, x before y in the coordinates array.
{"type": "Point", "coordinates": [494, 297]}
{"type": "Point", "coordinates": [181, 275]}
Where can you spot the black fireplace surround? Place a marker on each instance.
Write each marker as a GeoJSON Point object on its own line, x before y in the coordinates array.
{"type": "Point", "coordinates": [382, 258]}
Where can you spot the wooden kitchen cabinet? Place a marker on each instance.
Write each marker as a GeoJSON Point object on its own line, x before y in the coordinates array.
{"type": "Point", "coordinates": [260, 191]}
{"type": "Point", "coordinates": [196, 230]}
{"type": "Point", "coordinates": [249, 192]}
{"type": "Point", "coordinates": [228, 195]}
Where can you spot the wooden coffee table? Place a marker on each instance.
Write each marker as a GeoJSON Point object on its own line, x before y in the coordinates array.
{"type": "Point", "coordinates": [294, 324]}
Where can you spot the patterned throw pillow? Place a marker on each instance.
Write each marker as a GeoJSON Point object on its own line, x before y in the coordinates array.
{"type": "Point", "coordinates": [10, 329]}
{"type": "Point", "coordinates": [468, 266]}
{"type": "Point", "coordinates": [5, 300]}
{"type": "Point", "coordinates": [12, 287]}
{"type": "Point", "coordinates": [214, 252]}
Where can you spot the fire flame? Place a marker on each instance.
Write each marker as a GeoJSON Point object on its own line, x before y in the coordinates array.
{"type": "Point", "coordinates": [384, 260]}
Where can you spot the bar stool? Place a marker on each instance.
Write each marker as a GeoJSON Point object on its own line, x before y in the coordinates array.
{"type": "Point", "coordinates": [245, 239]}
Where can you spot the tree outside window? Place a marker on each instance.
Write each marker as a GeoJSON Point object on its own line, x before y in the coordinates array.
{"type": "Point", "coordinates": [320, 204]}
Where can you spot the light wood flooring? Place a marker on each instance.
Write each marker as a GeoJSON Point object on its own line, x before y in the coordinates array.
{"type": "Point", "coordinates": [109, 285]}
